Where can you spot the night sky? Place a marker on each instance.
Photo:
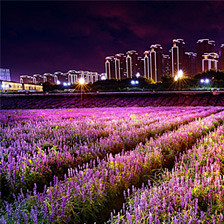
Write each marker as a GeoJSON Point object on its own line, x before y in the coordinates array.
{"type": "Point", "coordinates": [39, 37]}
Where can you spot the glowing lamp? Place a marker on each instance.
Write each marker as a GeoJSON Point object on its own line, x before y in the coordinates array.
{"type": "Point", "coordinates": [176, 78]}
{"type": "Point", "coordinates": [207, 81]}
{"type": "Point", "coordinates": [82, 81]}
{"type": "Point", "coordinates": [138, 75]}
{"type": "Point", "coordinates": [202, 81]}
{"type": "Point", "coordinates": [180, 74]}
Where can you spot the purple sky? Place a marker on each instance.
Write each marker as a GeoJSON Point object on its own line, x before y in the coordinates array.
{"type": "Point", "coordinates": [38, 37]}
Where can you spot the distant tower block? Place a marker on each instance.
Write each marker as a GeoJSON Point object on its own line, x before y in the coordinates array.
{"type": "Point", "coordinates": [110, 67]}
{"type": "Point", "coordinates": [221, 59]}
{"type": "Point", "coordinates": [147, 64]}
{"type": "Point", "coordinates": [210, 61]}
{"type": "Point", "coordinates": [156, 62]}
{"type": "Point", "coordinates": [203, 46]}
{"type": "Point", "coordinates": [5, 74]}
{"type": "Point", "coordinates": [177, 55]}
{"type": "Point", "coordinates": [120, 66]}
{"type": "Point", "coordinates": [131, 63]}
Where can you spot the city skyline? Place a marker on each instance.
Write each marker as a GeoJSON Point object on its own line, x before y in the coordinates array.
{"type": "Point", "coordinates": [39, 37]}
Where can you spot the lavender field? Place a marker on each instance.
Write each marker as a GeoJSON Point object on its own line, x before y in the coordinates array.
{"type": "Point", "coordinates": [112, 165]}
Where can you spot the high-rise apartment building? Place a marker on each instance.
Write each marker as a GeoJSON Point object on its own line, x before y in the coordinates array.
{"type": "Point", "coordinates": [203, 46]}
{"type": "Point", "coordinates": [210, 62]}
{"type": "Point", "coordinates": [147, 65]}
{"type": "Point", "coordinates": [177, 56]}
{"type": "Point", "coordinates": [131, 63]}
{"type": "Point", "coordinates": [48, 77]}
{"type": "Point", "coordinates": [73, 76]}
{"type": "Point", "coordinates": [190, 64]}
{"type": "Point", "coordinates": [26, 79]}
{"type": "Point", "coordinates": [120, 65]}
{"type": "Point", "coordinates": [37, 79]}
{"type": "Point", "coordinates": [156, 62]}
{"type": "Point", "coordinates": [221, 58]}
{"type": "Point", "coordinates": [61, 77]}
{"type": "Point", "coordinates": [140, 67]}
{"type": "Point", "coordinates": [166, 65]}
{"type": "Point", "coordinates": [110, 67]}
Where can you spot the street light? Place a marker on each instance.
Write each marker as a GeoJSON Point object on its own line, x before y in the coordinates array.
{"type": "Point", "coordinates": [81, 83]}
{"type": "Point", "coordinates": [178, 77]}
{"type": "Point", "coordinates": [180, 74]}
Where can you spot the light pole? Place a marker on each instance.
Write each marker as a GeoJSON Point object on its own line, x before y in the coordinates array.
{"type": "Point", "coordinates": [81, 83]}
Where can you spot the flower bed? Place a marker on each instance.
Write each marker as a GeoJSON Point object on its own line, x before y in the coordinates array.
{"type": "Point", "coordinates": [35, 150]}
{"type": "Point", "coordinates": [86, 191]}
{"type": "Point", "coordinates": [193, 192]}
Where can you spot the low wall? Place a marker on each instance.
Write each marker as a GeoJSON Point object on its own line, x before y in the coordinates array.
{"type": "Point", "coordinates": [110, 100]}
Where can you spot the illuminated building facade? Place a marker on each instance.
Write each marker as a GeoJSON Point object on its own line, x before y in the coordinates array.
{"type": "Point", "coordinates": [203, 46]}
{"type": "Point", "coordinates": [120, 66]}
{"type": "Point", "coordinates": [140, 67]}
{"type": "Point", "coordinates": [190, 63]}
{"type": "Point", "coordinates": [131, 63]}
{"type": "Point", "coordinates": [26, 79]}
{"type": "Point", "coordinates": [73, 76]}
{"type": "Point", "coordinates": [210, 62]}
{"type": "Point", "coordinates": [37, 79]}
{"type": "Point", "coordinates": [221, 59]}
{"type": "Point", "coordinates": [166, 65]}
{"type": "Point", "coordinates": [9, 86]}
{"type": "Point", "coordinates": [177, 56]}
{"type": "Point", "coordinates": [48, 77]}
{"type": "Point", "coordinates": [156, 67]}
{"type": "Point", "coordinates": [147, 65]}
{"type": "Point", "coordinates": [110, 67]}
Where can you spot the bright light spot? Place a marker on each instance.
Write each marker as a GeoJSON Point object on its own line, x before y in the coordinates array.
{"type": "Point", "coordinates": [180, 74]}
{"type": "Point", "coordinates": [138, 75]}
{"type": "Point", "coordinates": [5, 86]}
{"type": "Point", "coordinates": [82, 81]}
{"type": "Point", "coordinates": [58, 82]}
{"type": "Point", "coordinates": [103, 77]}
{"type": "Point", "coordinates": [176, 78]}
{"type": "Point", "coordinates": [134, 82]}
{"type": "Point", "coordinates": [69, 84]}
{"type": "Point", "coordinates": [207, 81]}
{"type": "Point", "coordinates": [64, 84]}
{"type": "Point", "coordinates": [202, 80]}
